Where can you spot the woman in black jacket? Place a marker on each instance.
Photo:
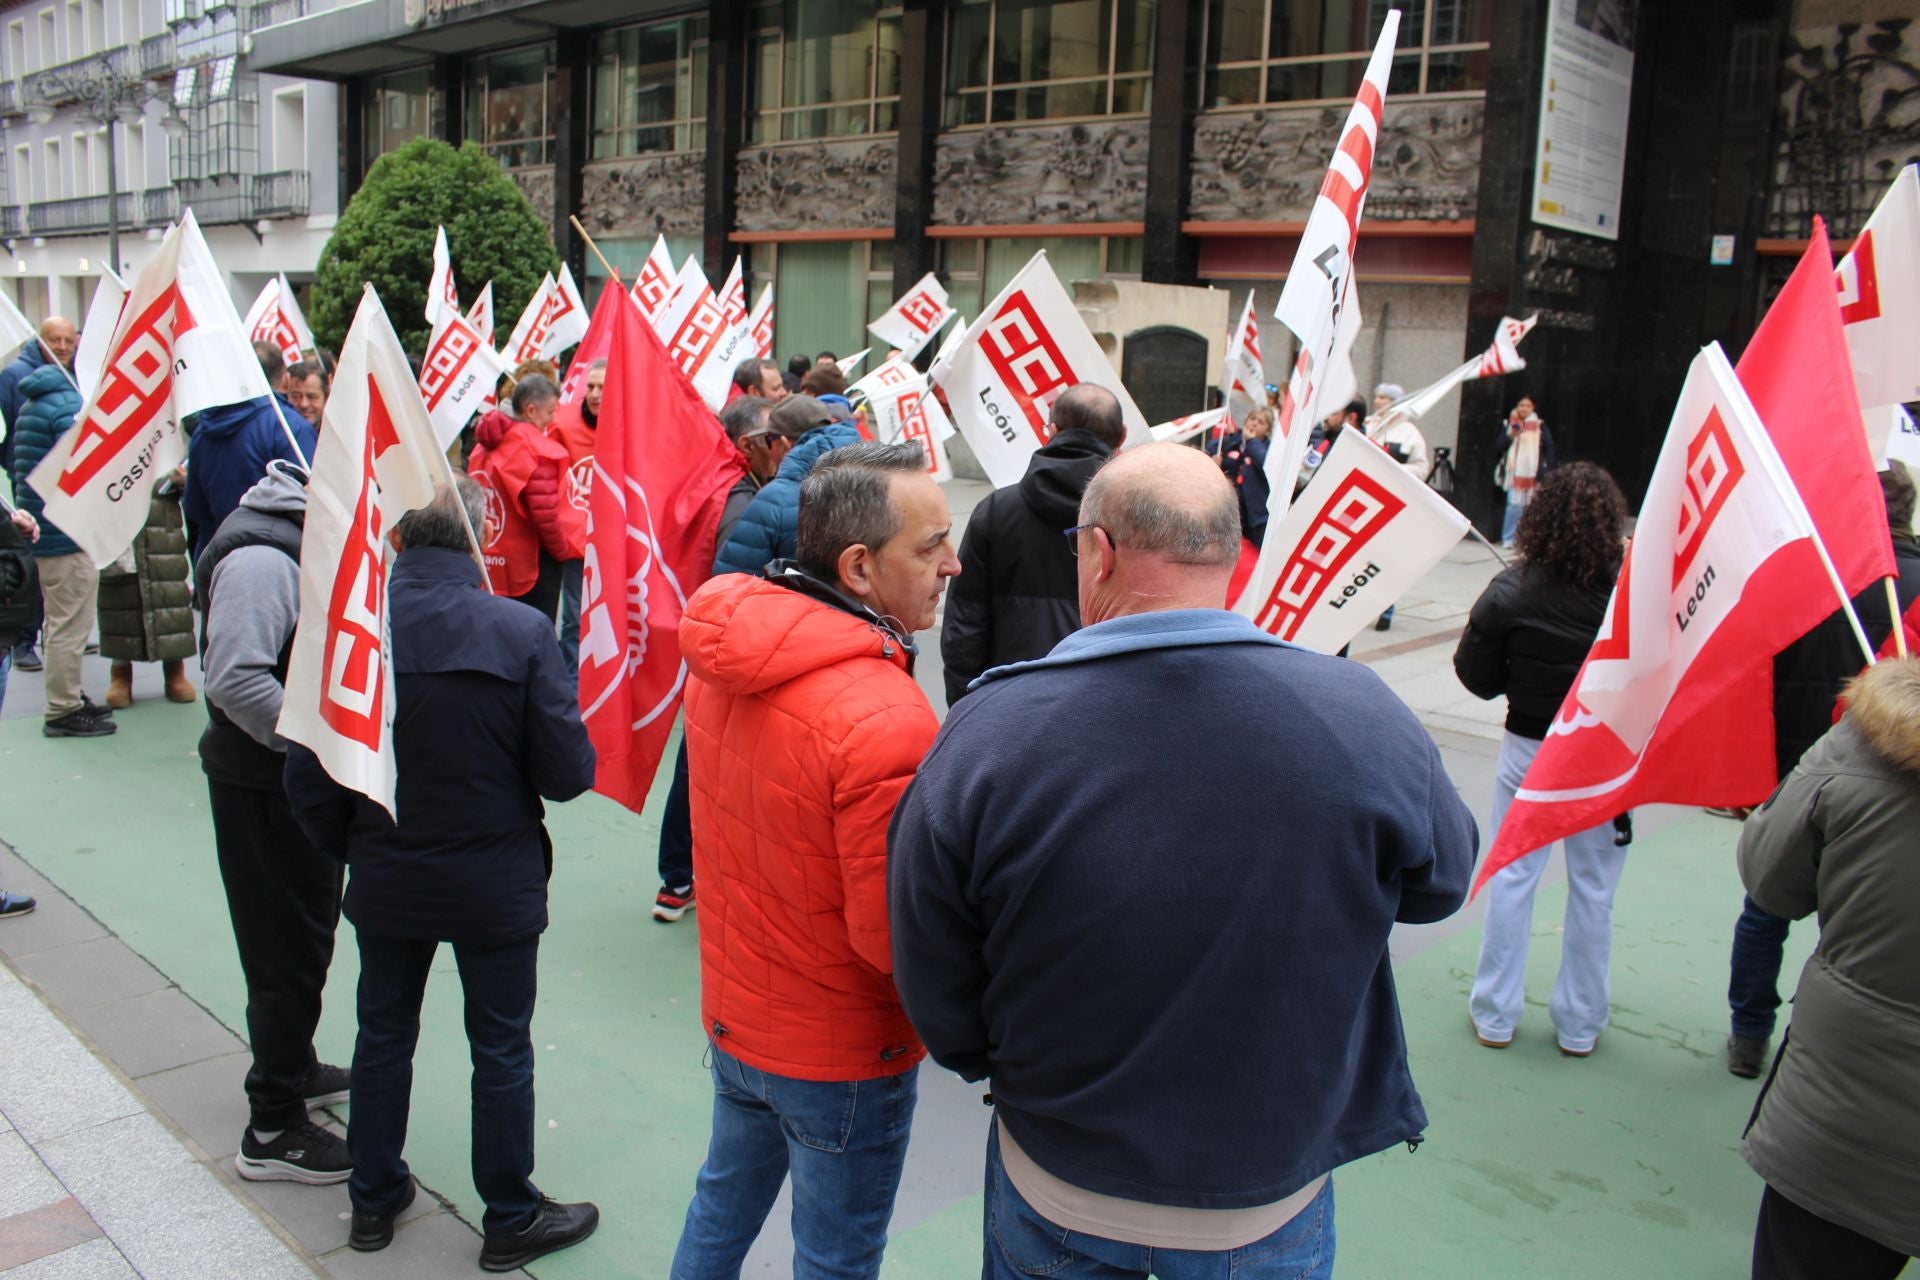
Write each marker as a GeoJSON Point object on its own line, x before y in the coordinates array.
{"type": "Point", "coordinates": [1526, 638]}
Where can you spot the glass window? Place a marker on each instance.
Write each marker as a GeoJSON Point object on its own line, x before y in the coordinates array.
{"type": "Point", "coordinates": [628, 254]}
{"type": "Point", "coordinates": [650, 88]}
{"type": "Point", "coordinates": [399, 109]}
{"type": "Point", "coordinates": [509, 106]}
{"type": "Point", "coordinates": [820, 293]}
{"type": "Point", "coordinates": [1048, 59]}
{"type": "Point", "coordinates": [824, 68]}
{"type": "Point", "coordinates": [1316, 50]}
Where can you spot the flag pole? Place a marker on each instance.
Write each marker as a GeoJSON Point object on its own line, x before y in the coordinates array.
{"type": "Point", "coordinates": [1899, 623]}
{"type": "Point", "coordinates": [582, 231]}
{"type": "Point", "coordinates": [54, 360]}
{"type": "Point", "coordinates": [1481, 538]}
{"type": "Point", "coordinates": [1840, 590]}
{"type": "Point", "coordinates": [273, 397]}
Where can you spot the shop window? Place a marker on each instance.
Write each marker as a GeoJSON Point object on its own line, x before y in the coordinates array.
{"type": "Point", "coordinates": [1010, 60]}
{"type": "Point", "coordinates": [1316, 50]}
{"type": "Point", "coordinates": [650, 88]}
{"type": "Point", "coordinates": [510, 106]}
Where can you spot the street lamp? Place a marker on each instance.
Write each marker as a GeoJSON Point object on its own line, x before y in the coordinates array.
{"type": "Point", "coordinates": [107, 95]}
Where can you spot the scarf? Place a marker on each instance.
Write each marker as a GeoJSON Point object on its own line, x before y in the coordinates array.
{"type": "Point", "coordinates": [1523, 457]}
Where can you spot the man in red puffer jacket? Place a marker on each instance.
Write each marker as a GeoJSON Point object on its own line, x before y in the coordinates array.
{"type": "Point", "coordinates": [523, 470]}
{"type": "Point", "coordinates": [804, 725]}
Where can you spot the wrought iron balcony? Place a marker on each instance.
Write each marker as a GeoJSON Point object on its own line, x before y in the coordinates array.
{"type": "Point", "coordinates": [270, 13]}
{"type": "Point", "coordinates": [11, 221]}
{"type": "Point", "coordinates": [156, 55]}
{"type": "Point", "coordinates": [161, 205]}
{"type": "Point", "coordinates": [55, 86]}
{"type": "Point", "coordinates": [280, 195]}
{"type": "Point", "coordinates": [225, 199]}
{"type": "Point", "coordinates": [10, 98]}
{"type": "Point", "coordinates": [78, 215]}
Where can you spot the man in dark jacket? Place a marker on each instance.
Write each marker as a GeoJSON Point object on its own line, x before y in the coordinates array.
{"type": "Point", "coordinates": [69, 579]}
{"type": "Point", "coordinates": [283, 893]}
{"type": "Point", "coordinates": [232, 445]}
{"type": "Point", "coordinates": [745, 421]}
{"type": "Point", "coordinates": [1017, 595]}
{"type": "Point", "coordinates": [1081, 930]}
{"type": "Point", "coordinates": [57, 336]}
{"type": "Point", "coordinates": [1807, 678]}
{"type": "Point", "coordinates": [764, 532]}
{"type": "Point", "coordinates": [483, 730]}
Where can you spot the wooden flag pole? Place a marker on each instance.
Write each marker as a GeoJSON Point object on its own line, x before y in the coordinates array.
{"type": "Point", "coordinates": [1899, 623]}
{"type": "Point", "coordinates": [582, 232]}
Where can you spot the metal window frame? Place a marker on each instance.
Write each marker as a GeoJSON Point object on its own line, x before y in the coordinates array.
{"type": "Point", "coordinates": [780, 112]}
{"type": "Point", "coordinates": [683, 68]}
{"type": "Point", "coordinates": [1263, 64]}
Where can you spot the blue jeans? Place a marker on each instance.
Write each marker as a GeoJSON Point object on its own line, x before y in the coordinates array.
{"type": "Point", "coordinates": [498, 984]}
{"type": "Point", "coordinates": [570, 614]}
{"type": "Point", "coordinates": [1516, 504]}
{"type": "Point", "coordinates": [6, 665]}
{"type": "Point", "coordinates": [1753, 990]}
{"type": "Point", "coordinates": [1019, 1242]}
{"type": "Point", "coordinates": [844, 1143]}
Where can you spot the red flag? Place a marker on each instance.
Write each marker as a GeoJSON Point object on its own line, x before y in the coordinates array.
{"type": "Point", "coordinates": [1719, 751]}
{"type": "Point", "coordinates": [593, 347]}
{"type": "Point", "coordinates": [662, 467]}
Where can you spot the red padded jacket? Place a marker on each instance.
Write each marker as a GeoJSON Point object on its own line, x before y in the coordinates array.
{"type": "Point", "coordinates": [803, 728]}
{"type": "Point", "coordinates": [521, 469]}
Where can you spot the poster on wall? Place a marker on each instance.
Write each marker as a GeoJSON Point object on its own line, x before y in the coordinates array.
{"type": "Point", "coordinates": [1586, 89]}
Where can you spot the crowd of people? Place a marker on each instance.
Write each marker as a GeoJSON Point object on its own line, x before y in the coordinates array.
{"type": "Point", "coordinates": [1177, 1077]}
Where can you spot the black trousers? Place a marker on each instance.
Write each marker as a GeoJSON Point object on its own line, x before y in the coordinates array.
{"type": "Point", "coordinates": [1791, 1243]}
{"type": "Point", "coordinates": [544, 595]}
{"type": "Point", "coordinates": [284, 898]}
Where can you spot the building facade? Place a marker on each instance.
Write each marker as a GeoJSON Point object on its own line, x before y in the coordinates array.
{"type": "Point", "coordinates": [253, 155]}
{"type": "Point", "coordinates": [844, 147]}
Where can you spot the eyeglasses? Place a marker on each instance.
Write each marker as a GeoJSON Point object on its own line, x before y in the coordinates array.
{"type": "Point", "coordinates": [1073, 537]}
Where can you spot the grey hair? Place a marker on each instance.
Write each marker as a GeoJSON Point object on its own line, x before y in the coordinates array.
{"type": "Point", "coordinates": [1138, 516]}
{"type": "Point", "coordinates": [440, 523]}
{"type": "Point", "coordinates": [1091, 407]}
{"type": "Point", "coordinates": [532, 390]}
{"type": "Point", "coordinates": [847, 501]}
{"type": "Point", "coordinates": [744, 416]}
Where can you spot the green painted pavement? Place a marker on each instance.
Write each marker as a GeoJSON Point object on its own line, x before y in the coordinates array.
{"type": "Point", "coordinates": [1625, 1163]}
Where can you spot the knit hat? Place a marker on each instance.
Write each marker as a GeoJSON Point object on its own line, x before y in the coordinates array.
{"type": "Point", "coordinates": [1391, 390]}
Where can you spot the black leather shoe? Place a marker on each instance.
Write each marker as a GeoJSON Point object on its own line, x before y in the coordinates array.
{"type": "Point", "coordinates": [374, 1231]}
{"type": "Point", "coordinates": [1746, 1056]}
{"type": "Point", "coordinates": [554, 1227]}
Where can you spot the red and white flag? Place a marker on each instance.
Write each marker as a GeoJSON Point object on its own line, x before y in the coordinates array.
{"type": "Point", "coordinates": [1503, 356]}
{"type": "Point", "coordinates": [910, 323]}
{"type": "Point", "coordinates": [702, 343]}
{"type": "Point", "coordinates": [529, 336]}
{"type": "Point", "coordinates": [1194, 424]}
{"type": "Point", "coordinates": [103, 313]}
{"type": "Point", "coordinates": [1363, 532]}
{"type": "Point", "coordinates": [1004, 374]}
{"type": "Point", "coordinates": [901, 406]}
{"type": "Point", "coordinates": [568, 322]}
{"type": "Point", "coordinates": [662, 467]}
{"type": "Point", "coordinates": [443, 296]}
{"type": "Point", "coordinates": [733, 295]}
{"type": "Point", "coordinates": [377, 460]}
{"type": "Point", "coordinates": [458, 376]}
{"type": "Point", "coordinates": [1319, 287]}
{"type": "Point", "coordinates": [1879, 284]}
{"type": "Point", "coordinates": [593, 348]}
{"type": "Point", "coordinates": [1693, 613]}
{"type": "Point", "coordinates": [760, 322]}
{"type": "Point", "coordinates": [480, 314]}
{"type": "Point", "coordinates": [655, 283]}
{"type": "Point", "coordinates": [178, 348]}
{"type": "Point", "coordinates": [16, 330]}
{"type": "Point", "coordinates": [275, 317]}
{"type": "Point", "coordinates": [1243, 379]}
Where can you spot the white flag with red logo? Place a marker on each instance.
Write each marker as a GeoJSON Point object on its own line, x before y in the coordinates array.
{"type": "Point", "coordinates": [702, 343]}
{"type": "Point", "coordinates": [377, 460]}
{"type": "Point", "coordinates": [529, 336]}
{"type": "Point", "coordinates": [1363, 532]}
{"type": "Point", "coordinates": [1192, 425]}
{"type": "Point", "coordinates": [655, 283]}
{"type": "Point", "coordinates": [1002, 377]}
{"type": "Point", "coordinates": [733, 294]}
{"type": "Point", "coordinates": [178, 348]}
{"type": "Point", "coordinates": [566, 324]}
{"type": "Point", "coordinates": [1879, 283]}
{"type": "Point", "coordinates": [911, 323]}
{"type": "Point", "coordinates": [1503, 356]}
{"type": "Point", "coordinates": [593, 349]}
{"type": "Point", "coordinates": [443, 296]}
{"type": "Point", "coordinates": [901, 406]}
{"type": "Point", "coordinates": [1682, 626]}
{"type": "Point", "coordinates": [103, 313]}
{"type": "Point", "coordinates": [760, 322]}
{"type": "Point", "coordinates": [275, 317]}
{"type": "Point", "coordinates": [662, 468]}
{"type": "Point", "coordinates": [480, 314]}
{"type": "Point", "coordinates": [1243, 379]}
{"type": "Point", "coordinates": [458, 376]}
{"type": "Point", "coordinates": [1319, 287]}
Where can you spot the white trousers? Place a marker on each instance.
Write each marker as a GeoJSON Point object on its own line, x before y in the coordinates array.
{"type": "Point", "coordinates": [1594, 862]}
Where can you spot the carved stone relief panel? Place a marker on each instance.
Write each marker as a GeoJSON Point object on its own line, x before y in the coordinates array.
{"type": "Point", "coordinates": [646, 195]}
{"type": "Point", "coordinates": [1849, 120]}
{"type": "Point", "coordinates": [1042, 174]}
{"type": "Point", "coordinates": [825, 185]}
{"type": "Point", "coordinates": [1267, 164]}
{"type": "Point", "coordinates": [536, 183]}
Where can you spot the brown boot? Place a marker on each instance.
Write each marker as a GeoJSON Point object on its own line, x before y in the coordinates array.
{"type": "Point", "coordinates": [120, 688]}
{"type": "Point", "coordinates": [179, 688]}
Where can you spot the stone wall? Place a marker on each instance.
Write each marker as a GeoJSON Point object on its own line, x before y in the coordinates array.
{"type": "Point", "coordinates": [645, 196]}
{"type": "Point", "coordinates": [824, 184]}
{"type": "Point", "coordinates": [1849, 118]}
{"type": "Point", "coordinates": [1041, 174]}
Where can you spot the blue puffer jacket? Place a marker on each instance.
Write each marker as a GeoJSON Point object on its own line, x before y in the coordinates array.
{"type": "Point", "coordinates": [766, 532]}
{"type": "Point", "coordinates": [48, 404]}
{"type": "Point", "coordinates": [31, 357]}
{"type": "Point", "coordinates": [228, 455]}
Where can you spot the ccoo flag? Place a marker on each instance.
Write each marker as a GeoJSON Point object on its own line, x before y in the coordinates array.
{"type": "Point", "coordinates": [275, 317]}
{"type": "Point", "coordinates": [700, 339]}
{"type": "Point", "coordinates": [1879, 284]}
{"type": "Point", "coordinates": [910, 323]}
{"type": "Point", "coordinates": [655, 283]}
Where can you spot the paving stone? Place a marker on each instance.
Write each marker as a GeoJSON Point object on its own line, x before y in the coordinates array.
{"type": "Point", "coordinates": [435, 1244]}
{"type": "Point", "coordinates": [90, 973]}
{"type": "Point", "coordinates": [207, 1100]}
{"type": "Point", "coordinates": [171, 1217]}
{"type": "Point", "coordinates": [94, 1260]}
{"type": "Point", "coordinates": [24, 1182]}
{"type": "Point", "coordinates": [51, 1085]}
{"type": "Point", "coordinates": [55, 922]}
{"type": "Point", "coordinates": [155, 1032]}
{"type": "Point", "coordinates": [49, 1229]}
{"type": "Point", "coordinates": [318, 1217]}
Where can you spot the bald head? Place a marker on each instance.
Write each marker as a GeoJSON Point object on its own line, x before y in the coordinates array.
{"type": "Point", "coordinates": [1090, 407]}
{"type": "Point", "coordinates": [1162, 532]}
{"type": "Point", "coordinates": [58, 333]}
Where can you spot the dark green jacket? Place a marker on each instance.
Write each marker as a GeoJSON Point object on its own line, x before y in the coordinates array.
{"type": "Point", "coordinates": [147, 615]}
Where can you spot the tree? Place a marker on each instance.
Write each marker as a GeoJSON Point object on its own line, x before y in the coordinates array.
{"type": "Point", "coordinates": [385, 238]}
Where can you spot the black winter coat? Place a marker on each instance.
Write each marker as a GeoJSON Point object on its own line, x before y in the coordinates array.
{"type": "Point", "coordinates": [19, 584]}
{"type": "Point", "coordinates": [1808, 674]}
{"type": "Point", "coordinates": [1526, 637]}
{"type": "Point", "coordinates": [483, 729]}
{"type": "Point", "coordinates": [1018, 593]}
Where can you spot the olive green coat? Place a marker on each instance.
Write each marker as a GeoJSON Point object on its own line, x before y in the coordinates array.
{"type": "Point", "coordinates": [147, 615]}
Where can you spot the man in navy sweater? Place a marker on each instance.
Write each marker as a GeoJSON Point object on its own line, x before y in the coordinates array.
{"type": "Point", "coordinates": [1181, 996]}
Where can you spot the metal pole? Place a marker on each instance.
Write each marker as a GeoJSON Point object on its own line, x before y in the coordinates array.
{"type": "Point", "coordinates": [113, 198]}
